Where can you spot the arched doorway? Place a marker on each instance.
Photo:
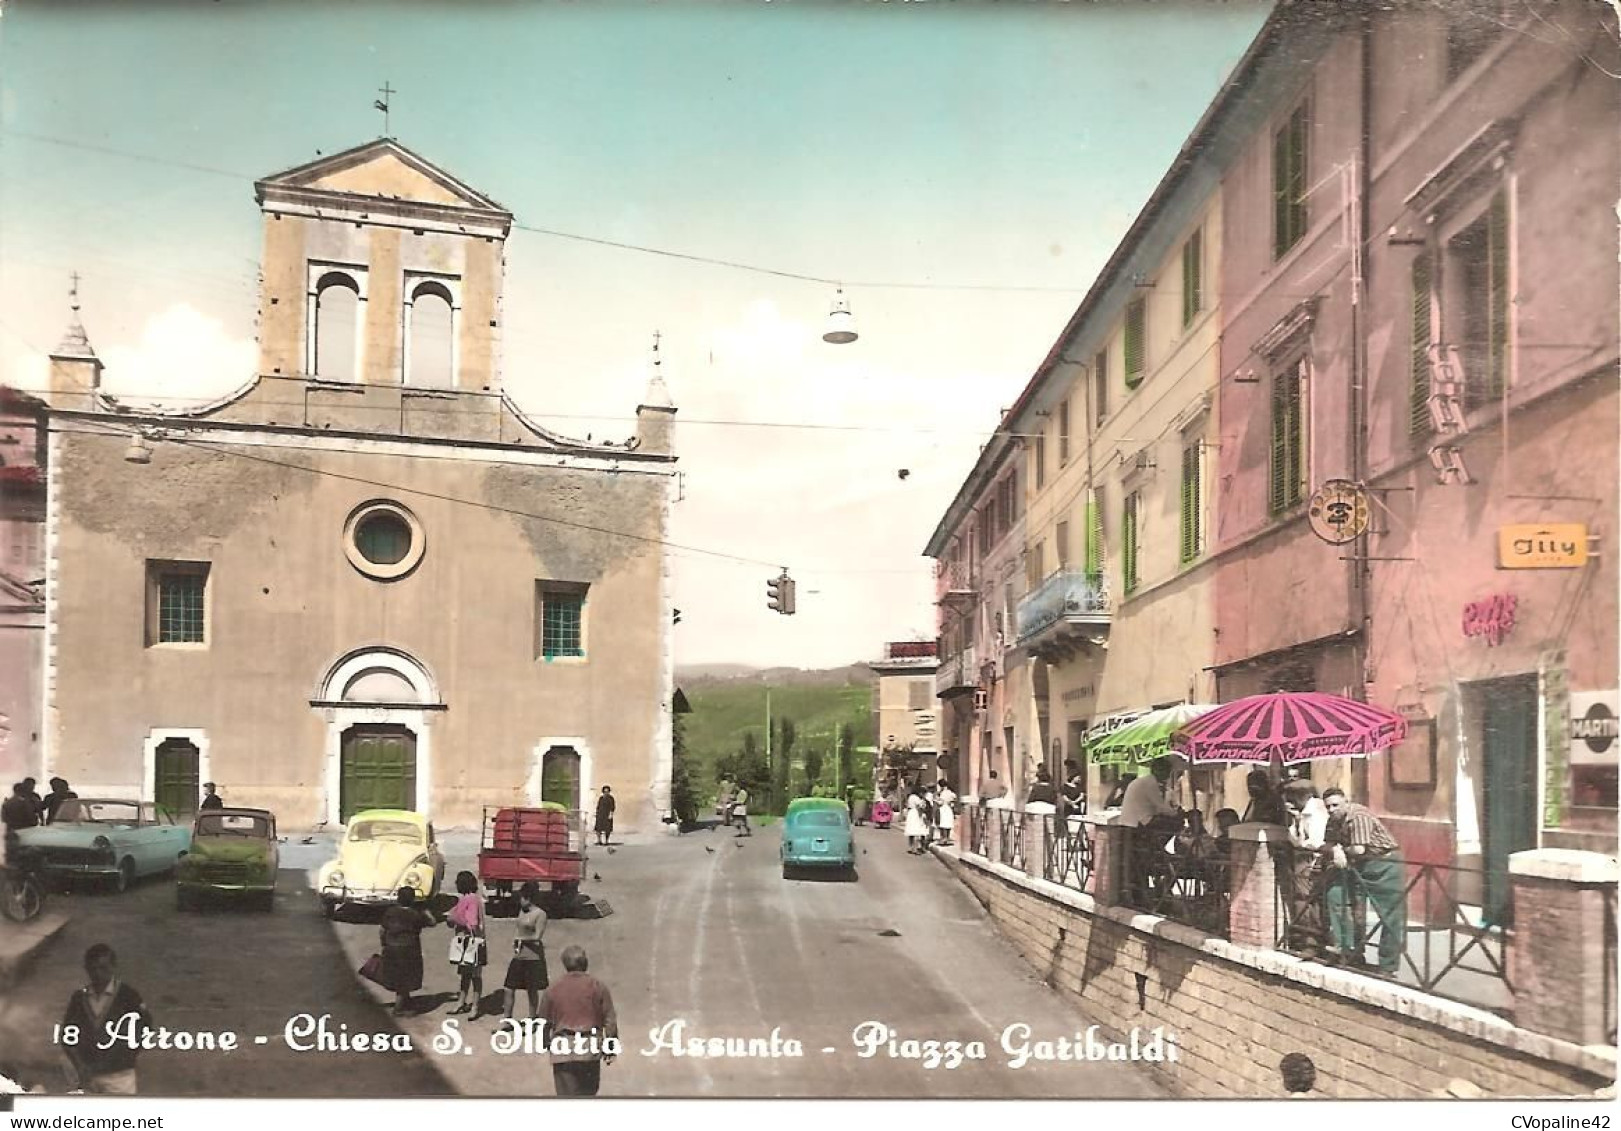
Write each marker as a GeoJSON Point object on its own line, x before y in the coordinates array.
{"type": "Point", "coordinates": [378, 703]}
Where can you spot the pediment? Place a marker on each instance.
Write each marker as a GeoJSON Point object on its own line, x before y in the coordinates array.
{"type": "Point", "coordinates": [383, 169]}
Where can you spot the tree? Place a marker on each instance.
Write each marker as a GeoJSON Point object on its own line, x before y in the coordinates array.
{"type": "Point", "coordinates": [847, 758]}
{"type": "Point", "coordinates": [683, 797]}
{"type": "Point", "coordinates": [813, 768]}
{"type": "Point", "coordinates": [782, 761]}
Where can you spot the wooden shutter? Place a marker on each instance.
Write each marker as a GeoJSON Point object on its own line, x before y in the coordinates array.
{"type": "Point", "coordinates": [1289, 181]}
{"type": "Point", "coordinates": [1191, 503]}
{"type": "Point", "coordinates": [1135, 318]}
{"type": "Point", "coordinates": [1100, 377]}
{"type": "Point", "coordinates": [1061, 544]}
{"type": "Point", "coordinates": [1192, 277]}
{"type": "Point", "coordinates": [1128, 543]}
{"type": "Point", "coordinates": [1497, 307]}
{"type": "Point", "coordinates": [1063, 432]}
{"type": "Point", "coordinates": [1094, 539]}
{"type": "Point", "coordinates": [1278, 493]}
{"type": "Point", "coordinates": [1418, 407]}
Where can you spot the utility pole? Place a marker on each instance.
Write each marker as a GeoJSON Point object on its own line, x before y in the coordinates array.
{"type": "Point", "coordinates": [770, 773]}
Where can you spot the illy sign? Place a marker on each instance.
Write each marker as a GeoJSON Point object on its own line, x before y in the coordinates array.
{"type": "Point", "coordinates": [1594, 728]}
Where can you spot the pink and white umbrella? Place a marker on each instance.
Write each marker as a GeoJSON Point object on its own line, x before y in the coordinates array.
{"type": "Point", "coordinates": [1290, 726]}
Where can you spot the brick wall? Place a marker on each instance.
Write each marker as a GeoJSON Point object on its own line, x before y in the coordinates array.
{"type": "Point", "coordinates": [1235, 1012]}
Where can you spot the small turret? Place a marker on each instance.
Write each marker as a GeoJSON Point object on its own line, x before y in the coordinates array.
{"type": "Point", "coordinates": [655, 416]}
{"type": "Point", "coordinates": [75, 376]}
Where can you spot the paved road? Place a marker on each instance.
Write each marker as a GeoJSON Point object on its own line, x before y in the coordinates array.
{"type": "Point", "coordinates": [705, 932]}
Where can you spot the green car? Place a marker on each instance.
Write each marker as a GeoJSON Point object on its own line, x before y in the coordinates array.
{"type": "Point", "coordinates": [233, 852]}
{"type": "Point", "coordinates": [816, 834]}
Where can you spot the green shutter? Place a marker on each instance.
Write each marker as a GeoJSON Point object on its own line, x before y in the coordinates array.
{"type": "Point", "coordinates": [1277, 498]}
{"type": "Point", "coordinates": [1497, 310]}
{"type": "Point", "coordinates": [1191, 501]}
{"type": "Point", "coordinates": [1135, 318]}
{"type": "Point", "coordinates": [1192, 278]}
{"type": "Point", "coordinates": [1128, 544]}
{"type": "Point", "coordinates": [1094, 541]}
{"type": "Point", "coordinates": [1100, 373]}
{"type": "Point", "coordinates": [1419, 403]}
{"type": "Point", "coordinates": [1289, 181]}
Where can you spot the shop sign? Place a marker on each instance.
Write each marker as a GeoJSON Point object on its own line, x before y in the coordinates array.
{"type": "Point", "coordinates": [1559, 545]}
{"type": "Point", "coordinates": [1595, 729]}
{"type": "Point", "coordinates": [1492, 618]}
{"type": "Point", "coordinates": [1338, 512]}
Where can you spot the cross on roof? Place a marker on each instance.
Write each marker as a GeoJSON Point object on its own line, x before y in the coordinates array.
{"type": "Point", "coordinates": [382, 103]}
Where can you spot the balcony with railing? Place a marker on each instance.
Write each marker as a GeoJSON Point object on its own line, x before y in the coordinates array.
{"type": "Point", "coordinates": [957, 586]}
{"type": "Point", "coordinates": [1064, 614]}
{"type": "Point", "coordinates": [957, 674]}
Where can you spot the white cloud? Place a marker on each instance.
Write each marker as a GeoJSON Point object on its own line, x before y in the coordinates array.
{"type": "Point", "coordinates": [184, 358]}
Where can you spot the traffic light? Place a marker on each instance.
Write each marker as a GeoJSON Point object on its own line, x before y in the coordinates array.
{"type": "Point", "coordinates": [780, 594]}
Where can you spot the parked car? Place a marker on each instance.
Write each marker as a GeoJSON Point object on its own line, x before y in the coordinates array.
{"type": "Point", "coordinates": [114, 840]}
{"type": "Point", "coordinates": [233, 852]}
{"type": "Point", "coordinates": [382, 851]}
{"type": "Point", "coordinates": [816, 834]}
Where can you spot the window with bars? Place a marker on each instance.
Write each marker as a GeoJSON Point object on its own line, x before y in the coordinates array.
{"type": "Point", "coordinates": [1192, 277]}
{"type": "Point", "coordinates": [176, 602]}
{"type": "Point", "coordinates": [1063, 432]}
{"type": "Point", "coordinates": [1129, 514]}
{"type": "Point", "coordinates": [1136, 326]}
{"type": "Point", "coordinates": [560, 620]}
{"type": "Point", "coordinates": [1290, 167]}
{"type": "Point", "coordinates": [1094, 539]}
{"type": "Point", "coordinates": [1291, 420]}
{"type": "Point", "coordinates": [1192, 525]}
{"type": "Point", "coordinates": [1100, 384]}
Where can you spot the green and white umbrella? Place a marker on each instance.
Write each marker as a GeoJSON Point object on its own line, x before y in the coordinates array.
{"type": "Point", "coordinates": [1145, 738]}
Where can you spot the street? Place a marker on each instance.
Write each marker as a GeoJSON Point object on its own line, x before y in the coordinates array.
{"type": "Point", "coordinates": [706, 940]}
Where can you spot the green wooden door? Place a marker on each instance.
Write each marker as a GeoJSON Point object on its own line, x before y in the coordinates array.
{"type": "Point", "coordinates": [560, 777]}
{"type": "Point", "coordinates": [174, 772]}
{"type": "Point", "coordinates": [1511, 786]}
{"type": "Point", "coordinates": [379, 770]}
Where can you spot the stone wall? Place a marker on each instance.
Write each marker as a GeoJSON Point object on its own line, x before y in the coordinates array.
{"type": "Point", "coordinates": [1236, 1011]}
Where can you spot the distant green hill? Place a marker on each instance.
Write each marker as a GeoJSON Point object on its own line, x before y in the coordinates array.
{"type": "Point", "coordinates": [723, 710]}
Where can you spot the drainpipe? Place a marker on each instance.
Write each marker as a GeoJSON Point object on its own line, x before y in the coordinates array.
{"type": "Point", "coordinates": [1361, 182]}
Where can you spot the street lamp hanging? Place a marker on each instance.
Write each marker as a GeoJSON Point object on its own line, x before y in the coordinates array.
{"type": "Point", "coordinates": [841, 324]}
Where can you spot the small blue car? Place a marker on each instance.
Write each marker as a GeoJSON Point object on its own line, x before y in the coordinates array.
{"type": "Point", "coordinates": [816, 834]}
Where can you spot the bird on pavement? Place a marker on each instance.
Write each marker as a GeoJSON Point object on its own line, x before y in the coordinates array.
{"type": "Point", "coordinates": [709, 850]}
{"type": "Point", "coordinates": [596, 877]}
{"type": "Point", "coordinates": [307, 840]}
{"type": "Point", "coordinates": [610, 851]}
{"type": "Point", "coordinates": [737, 844]}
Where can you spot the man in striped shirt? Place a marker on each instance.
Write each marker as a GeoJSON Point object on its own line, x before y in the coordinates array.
{"type": "Point", "coordinates": [1369, 871]}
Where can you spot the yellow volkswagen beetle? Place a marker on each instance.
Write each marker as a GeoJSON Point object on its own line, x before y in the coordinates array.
{"type": "Point", "coordinates": [382, 851]}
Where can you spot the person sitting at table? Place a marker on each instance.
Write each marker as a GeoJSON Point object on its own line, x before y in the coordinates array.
{"type": "Point", "coordinates": [1151, 819]}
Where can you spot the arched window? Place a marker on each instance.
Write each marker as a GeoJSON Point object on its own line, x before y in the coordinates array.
{"type": "Point", "coordinates": [430, 330]}
{"type": "Point", "coordinates": [337, 326]}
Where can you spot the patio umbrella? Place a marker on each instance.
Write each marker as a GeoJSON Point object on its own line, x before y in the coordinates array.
{"type": "Point", "coordinates": [1145, 738]}
{"type": "Point", "coordinates": [1292, 726]}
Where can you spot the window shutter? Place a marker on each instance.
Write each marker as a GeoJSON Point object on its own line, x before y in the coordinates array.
{"type": "Point", "coordinates": [1191, 501]}
{"type": "Point", "coordinates": [1192, 282]}
{"type": "Point", "coordinates": [1497, 311]}
{"type": "Point", "coordinates": [1061, 543]}
{"type": "Point", "coordinates": [1280, 192]}
{"type": "Point", "coordinates": [1280, 442]}
{"type": "Point", "coordinates": [1419, 405]}
{"type": "Point", "coordinates": [1100, 374]}
{"type": "Point", "coordinates": [1094, 540]}
{"type": "Point", "coordinates": [1135, 317]}
{"type": "Point", "coordinates": [1128, 544]}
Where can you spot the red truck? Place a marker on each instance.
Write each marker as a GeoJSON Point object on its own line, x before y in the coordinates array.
{"type": "Point", "coordinates": [545, 844]}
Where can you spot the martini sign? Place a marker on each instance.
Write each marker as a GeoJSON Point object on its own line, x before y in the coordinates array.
{"type": "Point", "coordinates": [1595, 729]}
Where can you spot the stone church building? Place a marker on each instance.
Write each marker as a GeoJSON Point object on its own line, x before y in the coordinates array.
{"type": "Point", "coordinates": [365, 579]}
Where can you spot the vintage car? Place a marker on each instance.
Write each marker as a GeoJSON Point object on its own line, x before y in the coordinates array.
{"type": "Point", "coordinates": [233, 852]}
{"type": "Point", "coordinates": [382, 851]}
{"type": "Point", "coordinates": [110, 839]}
{"type": "Point", "coordinates": [816, 833]}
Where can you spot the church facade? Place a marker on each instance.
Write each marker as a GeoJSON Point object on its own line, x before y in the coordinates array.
{"type": "Point", "coordinates": [366, 579]}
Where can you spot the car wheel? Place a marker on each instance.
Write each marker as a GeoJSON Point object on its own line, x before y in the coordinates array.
{"type": "Point", "coordinates": [125, 879]}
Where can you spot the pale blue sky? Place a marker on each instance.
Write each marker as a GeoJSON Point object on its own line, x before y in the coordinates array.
{"type": "Point", "coordinates": [947, 143]}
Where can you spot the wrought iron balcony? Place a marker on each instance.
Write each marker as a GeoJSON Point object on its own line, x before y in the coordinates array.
{"type": "Point", "coordinates": [961, 587]}
{"type": "Point", "coordinates": [1066, 612]}
{"type": "Point", "coordinates": [958, 674]}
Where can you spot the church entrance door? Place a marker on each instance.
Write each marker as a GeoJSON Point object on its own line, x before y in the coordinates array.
{"type": "Point", "coordinates": [378, 769]}
{"type": "Point", "coordinates": [174, 772]}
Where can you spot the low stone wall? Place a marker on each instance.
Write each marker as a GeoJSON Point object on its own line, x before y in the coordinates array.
{"type": "Point", "coordinates": [1235, 1011]}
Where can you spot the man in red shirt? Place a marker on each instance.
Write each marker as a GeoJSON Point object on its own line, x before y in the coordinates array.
{"type": "Point", "coordinates": [582, 1029]}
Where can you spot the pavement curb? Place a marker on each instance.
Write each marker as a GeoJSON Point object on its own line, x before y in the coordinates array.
{"type": "Point", "coordinates": [21, 943]}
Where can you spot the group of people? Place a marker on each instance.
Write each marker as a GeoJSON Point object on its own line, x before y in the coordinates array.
{"type": "Point", "coordinates": [24, 808]}
{"type": "Point", "coordinates": [576, 1004]}
{"type": "Point", "coordinates": [1344, 859]}
{"type": "Point", "coordinates": [734, 807]}
{"type": "Point", "coordinates": [930, 815]}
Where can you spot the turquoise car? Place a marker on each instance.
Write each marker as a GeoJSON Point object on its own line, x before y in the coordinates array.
{"type": "Point", "coordinates": [816, 834]}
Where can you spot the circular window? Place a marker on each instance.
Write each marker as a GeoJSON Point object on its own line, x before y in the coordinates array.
{"type": "Point", "coordinates": [383, 540]}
